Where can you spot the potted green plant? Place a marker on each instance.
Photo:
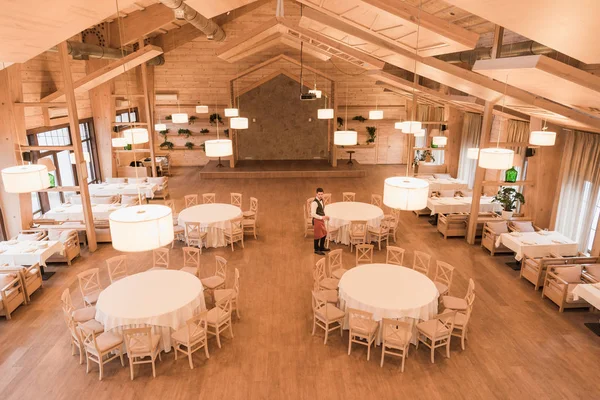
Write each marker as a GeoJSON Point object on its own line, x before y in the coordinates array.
{"type": "Point", "coordinates": [509, 198]}
{"type": "Point", "coordinates": [204, 131]}
{"type": "Point", "coordinates": [189, 145]}
{"type": "Point", "coordinates": [359, 118]}
{"type": "Point", "coordinates": [185, 132]}
{"type": "Point", "coordinates": [371, 131]}
{"type": "Point", "coordinates": [214, 118]}
{"type": "Point", "coordinates": [226, 132]}
{"type": "Point", "coordinates": [166, 145]}
{"type": "Point", "coordinates": [192, 119]}
{"type": "Point", "coordinates": [169, 117]}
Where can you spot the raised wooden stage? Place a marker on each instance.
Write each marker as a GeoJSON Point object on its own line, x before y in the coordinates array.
{"type": "Point", "coordinates": [283, 169]}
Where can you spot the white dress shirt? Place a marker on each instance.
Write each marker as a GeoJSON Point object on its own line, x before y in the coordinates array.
{"type": "Point", "coordinates": [313, 209]}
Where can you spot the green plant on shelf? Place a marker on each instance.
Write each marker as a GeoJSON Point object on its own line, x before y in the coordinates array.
{"type": "Point", "coordinates": [167, 145]}
{"type": "Point", "coordinates": [371, 131]}
{"type": "Point", "coordinates": [192, 119]}
{"type": "Point", "coordinates": [340, 122]}
{"type": "Point", "coordinates": [163, 133]}
{"type": "Point", "coordinates": [509, 198]}
{"type": "Point", "coordinates": [424, 155]}
{"type": "Point", "coordinates": [204, 131]}
{"type": "Point", "coordinates": [189, 145]}
{"type": "Point", "coordinates": [226, 131]}
{"type": "Point", "coordinates": [203, 147]}
{"type": "Point", "coordinates": [127, 147]}
{"type": "Point", "coordinates": [214, 118]}
{"type": "Point", "coordinates": [169, 117]}
{"type": "Point", "coordinates": [359, 118]}
{"type": "Point", "coordinates": [185, 132]}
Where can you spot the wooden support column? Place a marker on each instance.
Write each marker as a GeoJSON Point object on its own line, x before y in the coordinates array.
{"type": "Point", "coordinates": [103, 112]}
{"type": "Point", "coordinates": [232, 132]}
{"type": "Point", "coordinates": [486, 130]}
{"type": "Point", "coordinates": [596, 244]}
{"type": "Point", "coordinates": [80, 165]}
{"type": "Point", "coordinates": [455, 120]}
{"type": "Point", "coordinates": [146, 77]}
{"type": "Point", "coordinates": [333, 125]}
{"type": "Point", "coordinates": [16, 208]}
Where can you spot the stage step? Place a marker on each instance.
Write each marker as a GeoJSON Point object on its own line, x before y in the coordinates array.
{"type": "Point", "coordinates": [283, 169]}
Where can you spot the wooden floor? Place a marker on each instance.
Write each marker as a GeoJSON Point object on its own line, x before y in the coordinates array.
{"type": "Point", "coordinates": [519, 347]}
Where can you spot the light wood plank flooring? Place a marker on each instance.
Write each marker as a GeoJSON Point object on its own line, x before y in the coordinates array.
{"type": "Point", "coordinates": [519, 345]}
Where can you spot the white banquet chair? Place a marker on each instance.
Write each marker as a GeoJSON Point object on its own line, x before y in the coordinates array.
{"type": "Point", "coordinates": [99, 346]}
{"type": "Point", "coordinates": [457, 303]}
{"type": "Point", "coordinates": [334, 261]}
{"type": "Point", "coordinates": [234, 292]}
{"type": "Point", "coordinates": [322, 280]}
{"type": "Point", "coordinates": [193, 234]}
{"type": "Point", "coordinates": [219, 319]}
{"type": "Point", "coordinates": [421, 262]}
{"type": "Point", "coordinates": [192, 336]}
{"type": "Point", "coordinates": [395, 337]}
{"type": "Point", "coordinates": [348, 196]}
{"type": "Point", "coordinates": [363, 329]}
{"type": "Point", "coordinates": [160, 258]}
{"type": "Point", "coordinates": [209, 198]}
{"type": "Point", "coordinates": [117, 268]}
{"type": "Point", "coordinates": [217, 280]}
{"type": "Point", "coordinates": [190, 200]}
{"type": "Point", "coordinates": [236, 199]}
{"type": "Point", "coordinates": [395, 255]}
{"type": "Point", "coordinates": [191, 260]}
{"type": "Point", "coordinates": [358, 233]}
{"type": "Point", "coordinates": [364, 254]}
{"type": "Point", "coordinates": [141, 343]}
{"type": "Point", "coordinates": [326, 314]}
{"type": "Point", "coordinates": [443, 277]}
{"type": "Point", "coordinates": [234, 232]}
{"type": "Point", "coordinates": [437, 332]}
{"type": "Point", "coordinates": [89, 285]}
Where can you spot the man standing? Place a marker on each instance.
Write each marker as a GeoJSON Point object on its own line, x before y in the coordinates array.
{"type": "Point", "coordinates": [317, 212]}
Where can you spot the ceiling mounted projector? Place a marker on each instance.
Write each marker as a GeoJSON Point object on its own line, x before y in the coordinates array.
{"type": "Point", "coordinates": [308, 96]}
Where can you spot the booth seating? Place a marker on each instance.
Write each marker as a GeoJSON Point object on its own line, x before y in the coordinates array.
{"type": "Point", "coordinates": [453, 225]}
{"type": "Point", "coordinates": [559, 284]}
{"type": "Point", "coordinates": [534, 269]}
{"type": "Point", "coordinates": [31, 277]}
{"type": "Point", "coordinates": [70, 239]}
{"type": "Point", "coordinates": [12, 293]}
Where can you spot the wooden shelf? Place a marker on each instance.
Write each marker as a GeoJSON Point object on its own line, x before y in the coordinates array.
{"type": "Point", "coordinates": [429, 148]}
{"type": "Point", "coordinates": [44, 148]}
{"type": "Point", "coordinates": [133, 151]}
{"type": "Point", "coordinates": [129, 124]}
{"type": "Point", "coordinates": [191, 135]}
{"type": "Point", "coordinates": [358, 146]}
{"type": "Point", "coordinates": [61, 189]}
{"type": "Point", "coordinates": [182, 148]}
{"type": "Point", "coordinates": [501, 183]}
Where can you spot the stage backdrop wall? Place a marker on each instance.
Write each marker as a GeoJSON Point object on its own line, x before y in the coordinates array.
{"type": "Point", "coordinates": [282, 130]}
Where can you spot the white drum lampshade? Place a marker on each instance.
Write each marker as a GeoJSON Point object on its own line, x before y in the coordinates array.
{"type": "Point", "coordinates": [345, 138]}
{"type": "Point", "coordinates": [439, 140]}
{"type": "Point", "coordinates": [160, 127]}
{"type": "Point", "coordinates": [119, 142]}
{"type": "Point", "coordinates": [202, 109]}
{"type": "Point", "coordinates": [231, 112]}
{"type": "Point", "coordinates": [376, 114]}
{"type": "Point", "coordinates": [25, 178]}
{"type": "Point", "coordinates": [180, 118]}
{"type": "Point", "coordinates": [405, 193]}
{"type": "Point", "coordinates": [141, 228]}
{"type": "Point", "coordinates": [86, 157]}
{"type": "Point", "coordinates": [542, 138]}
{"type": "Point", "coordinates": [218, 148]}
{"type": "Point", "coordinates": [411, 126]}
{"type": "Point", "coordinates": [496, 158]}
{"type": "Point", "coordinates": [473, 153]}
{"type": "Point", "coordinates": [238, 123]}
{"type": "Point", "coordinates": [398, 125]}
{"type": "Point", "coordinates": [316, 92]}
{"type": "Point", "coordinates": [136, 135]}
{"type": "Point", "coordinates": [325, 113]}
{"type": "Point", "coordinates": [420, 133]}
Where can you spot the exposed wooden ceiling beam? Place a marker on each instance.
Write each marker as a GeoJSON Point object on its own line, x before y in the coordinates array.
{"type": "Point", "coordinates": [281, 57]}
{"type": "Point", "coordinates": [465, 80]}
{"type": "Point", "coordinates": [108, 72]}
{"type": "Point", "coordinates": [139, 24]}
{"type": "Point", "coordinates": [262, 81]}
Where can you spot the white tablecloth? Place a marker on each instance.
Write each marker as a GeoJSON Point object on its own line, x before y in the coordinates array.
{"type": "Point", "coordinates": [213, 219]}
{"type": "Point", "coordinates": [446, 205]}
{"type": "Point", "coordinates": [343, 213]}
{"type": "Point", "coordinates": [389, 291]}
{"type": "Point", "coordinates": [534, 244]}
{"type": "Point", "coordinates": [19, 253]}
{"type": "Point", "coordinates": [74, 212]}
{"type": "Point", "coordinates": [164, 299]}
{"type": "Point", "coordinates": [588, 292]}
{"type": "Point", "coordinates": [112, 189]}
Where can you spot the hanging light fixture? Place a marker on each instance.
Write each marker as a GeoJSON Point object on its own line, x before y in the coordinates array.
{"type": "Point", "coordinates": [543, 137]}
{"type": "Point", "coordinates": [119, 142]}
{"type": "Point", "coordinates": [345, 137]}
{"type": "Point", "coordinates": [411, 126]}
{"type": "Point", "coordinates": [219, 147]}
{"type": "Point", "coordinates": [180, 118]}
{"type": "Point", "coordinates": [497, 157]}
{"type": "Point", "coordinates": [316, 92]}
{"type": "Point", "coordinates": [160, 127]}
{"type": "Point", "coordinates": [238, 123]}
{"type": "Point", "coordinates": [25, 178]}
{"type": "Point", "coordinates": [325, 113]}
{"type": "Point", "coordinates": [202, 109]}
{"type": "Point", "coordinates": [86, 157]}
{"type": "Point", "coordinates": [439, 140]}
{"type": "Point", "coordinates": [473, 153]}
{"type": "Point", "coordinates": [420, 133]}
{"type": "Point", "coordinates": [231, 112]}
{"type": "Point", "coordinates": [141, 228]}
{"type": "Point", "coordinates": [137, 135]}
{"type": "Point", "coordinates": [405, 193]}
{"type": "Point", "coordinates": [376, 114]}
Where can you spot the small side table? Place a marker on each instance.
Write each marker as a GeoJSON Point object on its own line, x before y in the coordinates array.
{"type": "Point", "coordinates": [350, 159]}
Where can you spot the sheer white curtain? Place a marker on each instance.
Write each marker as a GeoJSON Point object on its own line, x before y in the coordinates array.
{"type": "Point", "coordinates": [470, 138]}
{"type": "Point", "coordinates": [518, 131]}
{"type": "Point", "coordinates": [580, 187]}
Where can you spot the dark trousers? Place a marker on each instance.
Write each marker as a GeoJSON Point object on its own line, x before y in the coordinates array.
{"type": "Point", "coordinates": [320, 244]}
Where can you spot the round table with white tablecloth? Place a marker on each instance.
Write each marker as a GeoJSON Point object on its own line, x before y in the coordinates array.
{"type": "Point", "coordinates": [342, 214]}
{"type": "Point", "coordinates": [389, 291]}
{"type": "Point", "coordinates": [163, 299]}
{"type": "Point", "coordinates": [213, 219]}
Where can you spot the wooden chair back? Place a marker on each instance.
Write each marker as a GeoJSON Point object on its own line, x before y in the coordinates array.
{"type": "Point", "coordinates": [236, 199]}
{"type": "Point", "coordinates": [364, 254]}
{"type": "Point", "coordinates": [443, 273]}
{"type": "Point", "coordinates": [171, 205]}
{"type": "Point", "coordinates": [190, 200]}
{"type": "Point", "coordinates": [138, 341]}
{"type": "Point", "coordinates": [254, 205]}
{"type": "Point", "coordinates": [160, 258]}
{"type": "Point", "coordinates": [221, 267]}
{"type": "Point", "coordinates": [319, 270]}
{"type": "Point", "coordinates": [395, 255]}
{"type": "Point", "coordinates": [358, 229]}
{"type": "Point", "coordinates": [236, 283]}
{"type": "Point", "coordinates": [308, 204]}
{"type": "Point", "coordinates": [191, 257]}
{"type": "Point", "coordinates": [235, 225]}
{"type": "Point", "coordinates": [209, 198]}
{"type": "Point", "coordinates": [196, 325]}
{"type": "Point", "coordinates": [89, 281]}
{"type": "Point", "coordinates": [192, 231]}
{"type": "Point", "coordinates": [348, 196]}
{"type": "Point", "coordinates": [326, 198]}
{"type": "Point", "coordinates": [447, 318]}
{"type": "Point", "coordinates": [359, 320]}
{"type": "Point", "coordinates": [396, 331]}
{"type": "Point", "coordinates": [421, 262]}
{"type": "Point", "coordinates": [376, 200]}
{"type": "Point", "coordinates": [470, 296]}
{"type": "Point", "coordinates": [225, 304]}
{"type": "Point", "coordinates": [334, 259]}
{"type": "Point", "coordinates": [67, 302]}
{"type": "Point", "coordinates": [117, 268]}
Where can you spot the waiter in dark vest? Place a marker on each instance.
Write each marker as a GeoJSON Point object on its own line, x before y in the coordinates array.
{"type": "Point", "coordinates": [317, 212]}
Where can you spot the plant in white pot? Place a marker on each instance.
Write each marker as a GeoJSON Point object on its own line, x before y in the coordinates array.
{"type": "Point", "coordinates": [509, 198]}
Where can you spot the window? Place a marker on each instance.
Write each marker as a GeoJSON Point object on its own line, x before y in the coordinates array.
{"type": "Point", "coordinates": [592, 235]}
{"type": "Point", "coordinates": [66, 173]}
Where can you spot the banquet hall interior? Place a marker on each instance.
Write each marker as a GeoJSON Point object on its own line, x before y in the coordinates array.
{"type": "Point", "coordinates": [299, 199]}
